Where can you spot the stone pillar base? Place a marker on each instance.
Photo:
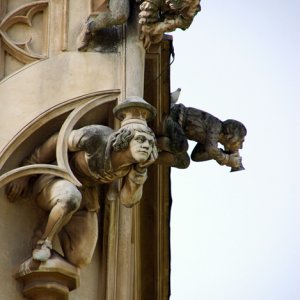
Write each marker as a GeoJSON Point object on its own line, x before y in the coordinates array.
{"type": "Point", "coordinates": [50, 280]}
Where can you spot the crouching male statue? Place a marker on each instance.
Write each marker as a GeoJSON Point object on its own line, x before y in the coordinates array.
{"type": "Point", "coordinates": [98, 155]}
{"type": "Point", "coordinates": [185, 123]}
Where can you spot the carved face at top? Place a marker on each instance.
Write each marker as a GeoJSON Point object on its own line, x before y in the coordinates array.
{"type": "Point", "coordinates": [141, 146]}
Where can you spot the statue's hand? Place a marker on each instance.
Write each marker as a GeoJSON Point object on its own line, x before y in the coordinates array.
{"type": "Point", "coordinates": [234, 160]}
{"type": "Point", "coordinates": [18, 188]}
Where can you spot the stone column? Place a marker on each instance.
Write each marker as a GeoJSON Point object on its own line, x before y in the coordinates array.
{"type": "Point", "coordinates": [134, 76]}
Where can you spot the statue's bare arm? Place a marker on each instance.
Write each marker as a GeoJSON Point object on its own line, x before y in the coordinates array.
{"type": "Point", "coordinates": [132, 190]}
{"type": "Point", "coordinates": [211, 151]}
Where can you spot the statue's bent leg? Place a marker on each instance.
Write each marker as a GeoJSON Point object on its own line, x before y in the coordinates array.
{"type": "Point", "coordinates": [117, 14]}
{"type": "Point", "coordinates": [199, 153]}
{"type": "Point", "coordinates": [178, 142]}
{"type": "Point", "coordinates": [182, 161]}
{"type": "Point", "coordinates": [62, 199]}
{"type": "Point", "coordinates": [79, 237]}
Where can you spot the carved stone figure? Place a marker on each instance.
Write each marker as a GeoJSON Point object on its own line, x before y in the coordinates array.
{"type": "Point", "coordinates": [156, 17]}
{"type": "Point", "coordinates": [98, 155]}
{"type": "Point", "coordinates": [185, 123]}
{"type": "Point", "coordinates": [160, 16]}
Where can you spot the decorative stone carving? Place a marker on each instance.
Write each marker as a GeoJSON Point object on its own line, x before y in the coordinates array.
{"type": "Point", "coordinates": [160, 16]}
{"type": "Point", "coordinates": [95, 154]}
{"type": "Point", "coordinates": [188, 123]}
{"type": "Point", "coordinates": [156, 17]}
{"type": "Point", "coordinates": [24, 47]}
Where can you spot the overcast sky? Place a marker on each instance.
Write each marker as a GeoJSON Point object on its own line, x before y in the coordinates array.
{"type": "Point", "coordinates": [236, 236]}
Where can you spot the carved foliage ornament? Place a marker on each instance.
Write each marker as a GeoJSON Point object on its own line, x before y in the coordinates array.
{"type": "Point", "coordinates": [21, 48]}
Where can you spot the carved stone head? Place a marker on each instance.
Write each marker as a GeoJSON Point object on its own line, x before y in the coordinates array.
{"type": "Point", "coordinates": [134, 133]}
{"type": "Point", "coordinates": [234, 133]}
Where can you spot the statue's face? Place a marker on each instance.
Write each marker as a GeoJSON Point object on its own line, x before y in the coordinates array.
{"type": "Point", "coordinates": [234, 144]}
{"type": "Point", "coordinates": [141, 146]}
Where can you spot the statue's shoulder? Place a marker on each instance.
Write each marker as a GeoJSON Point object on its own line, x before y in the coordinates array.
{"type": "Point", "coordinates": [96, 130]}
{"type": "Point", "coordinates": [92, 137]}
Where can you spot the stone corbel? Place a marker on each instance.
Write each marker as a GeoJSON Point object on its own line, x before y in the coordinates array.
{"type": "Point", "coordinates": [52, 280]}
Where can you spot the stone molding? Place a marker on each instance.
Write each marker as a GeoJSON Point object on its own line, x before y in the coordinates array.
{"type": "Point", "coordinates": [17, 47]}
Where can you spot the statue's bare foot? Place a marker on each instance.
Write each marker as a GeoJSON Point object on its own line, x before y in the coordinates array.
{"type": "Point", "coordinates": [84, 37]}
{"type": "Point", "coordinates": [42, 252]}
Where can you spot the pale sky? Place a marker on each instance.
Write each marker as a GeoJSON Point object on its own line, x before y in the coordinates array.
{"type": "Point", "coordinates": [236, 236]}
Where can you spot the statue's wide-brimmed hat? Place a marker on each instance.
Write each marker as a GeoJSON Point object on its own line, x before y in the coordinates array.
{"type": "Point", "coordinates": [134, 110]}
